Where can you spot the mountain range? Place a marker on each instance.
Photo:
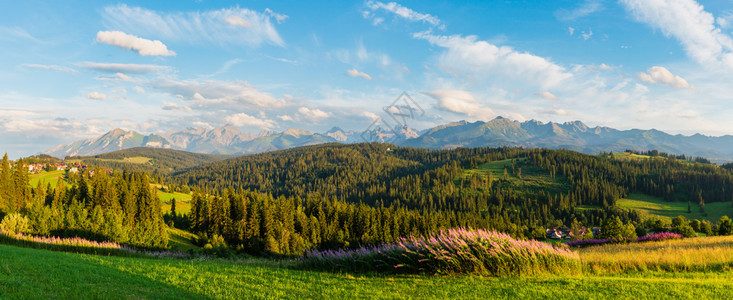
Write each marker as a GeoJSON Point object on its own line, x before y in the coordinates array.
{"type": "Point", "coordinates": [495, 133]}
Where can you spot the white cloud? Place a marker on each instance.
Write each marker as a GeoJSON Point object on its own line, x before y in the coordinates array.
{"type": "Point", "coordinates": [278, 17]}
{"type": "Point", "coordinates": [312, 115]}
{"type": "Point", "coordinates": [52, 68]}
{"type": "Point", "coordinates": [238, 21]}
{"type": "Point", "coordinates": [662, 75]}
{"type": "Point", "coordinates": [356, 73]}
{"type": "Point", "coordinates": [547, 95]}
{"type": "Point", "coordinates": [586, 8]}
{"type": "Point", "coordinates": [285, 117]}
{"type": "Point", "coordinates": [586, 35]}
{"type": "Point", "coordinates": [122, 68]}
{"type": "Point", "coordinates": [97, 96]}
{"type": "Point", "coordinates": [173, 106]}
{"type": "Point", "coordinates": [461, 102]}
{"type": "Point", "coordinates": [231, 26]}
{"type": "Point", "coordinates": [484, 59]}
{"type": "Point", "coordinates": [725, 21]}
{"type": "Point", "coordinates": [402, 12]}
{"type": "Point", "coordinates": [605, 67]}
{"type": "Point", "coordinates": [200, 124]}
{"type": "Point", "coordinates": [690, 24]}
{"type": "Point", "coordinates": [139, 89]}
{"type": "Point", "coordinates": [571, 30]}
{"type": "Point", "coordinates": [370, 115]}
{"type": "Point", "coordinates": [242, 119]}
{"type": "Point", "coordinates": [212, 94]}
{"type": "Point", "coordinates": [140, 45]}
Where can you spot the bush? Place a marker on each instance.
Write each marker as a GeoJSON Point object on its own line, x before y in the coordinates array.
{"type": "Point", "coordinates": [661, 236]}
{"type": "Point", "coordinates": [452, 251]}
{"type": "Point", "coordinates": [15, 223]}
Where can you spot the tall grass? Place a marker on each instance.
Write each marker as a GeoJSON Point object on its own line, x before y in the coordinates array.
{"type": "Point", "coordinates": [675, 255]}
{"type": "Point", "coordinates": [80, 245]}
{"type": "Point", "coordinates": [453, 251]}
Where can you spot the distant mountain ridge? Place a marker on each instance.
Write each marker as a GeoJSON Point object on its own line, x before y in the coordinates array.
{"type": "Point", "coordinates": [577, 136]}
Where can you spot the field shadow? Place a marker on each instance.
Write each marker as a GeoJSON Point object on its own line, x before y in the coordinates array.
{"type": "Point", "coordinates": [57, 275]}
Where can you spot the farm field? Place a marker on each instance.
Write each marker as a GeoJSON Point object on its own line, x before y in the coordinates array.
{"type": "Point", "coordinates": [46, 274]}
{"type": "Point", "coordinates": [47, 177]}
{"type": "Point", "coordinates": [655, 206]}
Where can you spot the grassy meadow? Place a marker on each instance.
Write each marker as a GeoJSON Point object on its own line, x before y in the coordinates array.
{"type": "Point", "coordinates": [46, 177]}
{"type": "Point", "coordinates": [532, 179]}
{"type": "Point", "coordinates": [32, 273]}
{"type": "Point", "coordinates": [654, 206]}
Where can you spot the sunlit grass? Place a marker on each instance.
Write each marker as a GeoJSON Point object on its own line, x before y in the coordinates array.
{"type": "Point", "coordinates": [691, 254]}
{"type": "Point", "coordinates": [654, 206]}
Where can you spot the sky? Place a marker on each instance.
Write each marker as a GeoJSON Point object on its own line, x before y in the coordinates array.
{"type": "Point", "coordinates": [73, 70]}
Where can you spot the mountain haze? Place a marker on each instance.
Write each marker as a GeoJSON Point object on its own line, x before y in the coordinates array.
{"type": "Point", "coordinates": [499, 132]}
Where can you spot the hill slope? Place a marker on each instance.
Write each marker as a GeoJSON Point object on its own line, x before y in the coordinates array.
{"type": "Point", "coordinates": [148, 159]}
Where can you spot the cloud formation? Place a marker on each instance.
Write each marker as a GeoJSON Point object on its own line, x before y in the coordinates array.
{"type": "Point", "coordinates": [400, 11]}
{"type": "Point", "coordinates": [212, 94]}
{"type": "Point", "coordinates": [173, 106]}
{"type": "Point", "coordinates": [122, 68]}
{"type": "Point", "coordinates": [313, 115]}
{"type": "Point", "coordinates": [242, 120]}
{"type": "Point", "coordinates": [661, 75]}
{"type": "Point", "coordinates": [97, 96]}
{"type": "Point", "coordinates": [140, 45]}
{"type": "Point", "coordinates": [230, 26]}
{"type": "Point", "coordinates": [586, 8]}
{"type": "Point", "coordinates": [461, 102]}
{"type": "Point", "coordinates": [357, 73]}
{"type": "Point", "coordinates": [483, 59]}
{"type": "Point", "coordinates": [547, 95]}
{"type": "Point", "coordinates": [51, 67]}
{"type": "Point", "coordinates": [689, 23]}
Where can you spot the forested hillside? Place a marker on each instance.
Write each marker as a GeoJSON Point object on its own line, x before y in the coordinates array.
{"type": "Point", "coordinates": [153, 160]}
{"type": "Point", "coordinates": [331, 195]}
{"type": "Point", "coordinates": [119, 207]}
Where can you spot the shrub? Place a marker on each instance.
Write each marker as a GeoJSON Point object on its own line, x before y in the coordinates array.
{"type": "Point", "coordinates": [15, 223]}
{"type": "Point", "coordinates": [661, 236]}
{"type": "Point", "coordinates": [450, 251]}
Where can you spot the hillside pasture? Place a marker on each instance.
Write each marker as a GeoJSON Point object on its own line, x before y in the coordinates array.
{"type": "Point", "coordinates": [650, 206]}
{"type": "Point", "coordinates": [47, 177]}
{"type": "Point", "coordinates": [532, 179]}
{"type": "Point", "coordinates": [133, 160]}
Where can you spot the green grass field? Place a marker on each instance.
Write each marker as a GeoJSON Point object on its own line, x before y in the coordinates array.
{"type": "Point", "coordinates": [183, 201]}
{"type": "Point", "coordinates": [655, 206]}
{"type": "Point", "coordinates": [181, 240]}
{"type": "Point", "coordinates": [47, 177]}
{"type": "Point", "coordinates": [135, 160]}
{"type": "Point", "coordinates": [32, 273]}
{"type": "Point", "coordinates": [532, 178]}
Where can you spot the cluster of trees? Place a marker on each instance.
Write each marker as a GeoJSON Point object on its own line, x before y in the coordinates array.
{"type": "Point", "coordinates": [120, 207]}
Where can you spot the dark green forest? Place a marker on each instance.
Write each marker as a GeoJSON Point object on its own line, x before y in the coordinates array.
{"type": "Point", "coordinates": [119, 207]}
{"type": "Point", "coordinates": [162, 161]}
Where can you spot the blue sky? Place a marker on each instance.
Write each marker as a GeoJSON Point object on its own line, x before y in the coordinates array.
{"type": "Point", "coordinates": [76, 69]}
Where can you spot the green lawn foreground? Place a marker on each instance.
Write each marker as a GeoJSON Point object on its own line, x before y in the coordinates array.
{"type": "Point", "coordinates": [654, 206]}
{"type": "Point", "coordinates": [32, 273]}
